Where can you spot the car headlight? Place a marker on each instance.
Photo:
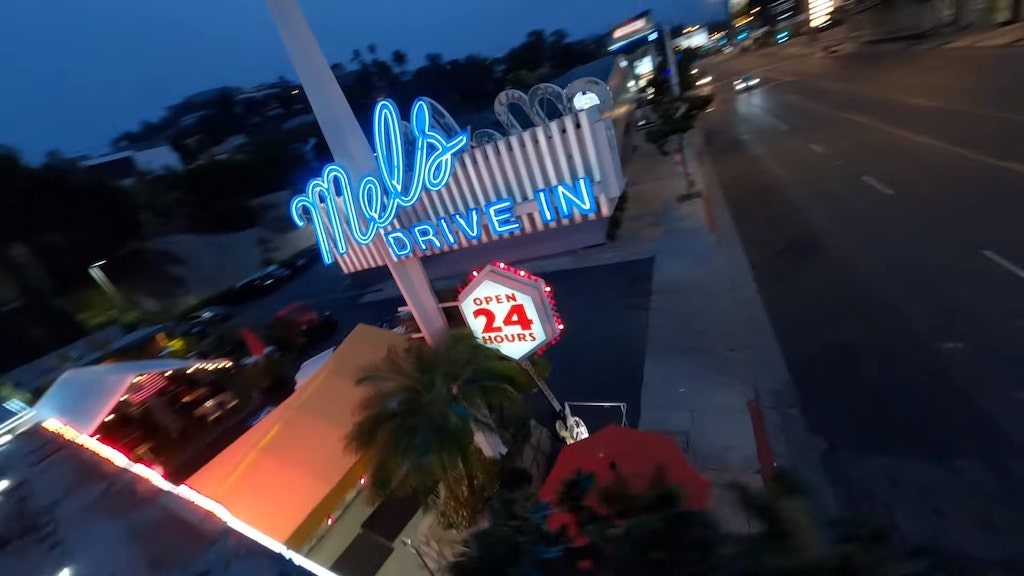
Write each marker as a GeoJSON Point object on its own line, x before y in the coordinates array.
{"type": "Point", "coordinates": [739, 85]}
{"type": "Point", "coordinates": [753, 81]}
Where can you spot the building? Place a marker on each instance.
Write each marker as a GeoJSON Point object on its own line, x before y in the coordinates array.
{"type": "Point", "coordinates": [638, 42]}
{"type": "Point", "coordinates": [70, 506]}
{"type": "Point", "coordinates": [125, 167]}
{"type": "Point", "coordinates": [169, 414]}
{"type": "Point", "coordinates": [690, 37]}
{"type": "Point", "coordinates": [230, 148]}
{"type": "Point", "coordinates": [298, 451]}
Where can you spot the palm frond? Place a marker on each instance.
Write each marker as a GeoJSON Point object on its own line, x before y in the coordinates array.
{"type": "Point", "coordinates": [421, 407]}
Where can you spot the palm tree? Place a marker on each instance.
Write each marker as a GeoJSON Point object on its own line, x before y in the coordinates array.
{"type": "Point", "coordinates": [427, 407]}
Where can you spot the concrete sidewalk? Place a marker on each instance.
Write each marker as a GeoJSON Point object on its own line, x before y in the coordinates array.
{"type": "Point", "coordinates": [710, 346]}
{"type": "Point", "coordinates": [1005, 36]}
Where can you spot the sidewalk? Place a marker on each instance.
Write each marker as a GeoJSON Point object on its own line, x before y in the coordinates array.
{"type": "Point", "coordinates": [1005, 36]}
{"type": "Point", "coordinates": [710, 346]}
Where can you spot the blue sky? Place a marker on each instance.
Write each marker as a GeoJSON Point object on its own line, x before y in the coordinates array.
{"type": "Point", "coordinates": [78, 72]}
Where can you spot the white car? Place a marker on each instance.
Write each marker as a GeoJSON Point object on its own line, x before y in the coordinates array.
{"type": "Point", "coordinates": [745, 83]}
{"type": "Point", "coordinates": [310, 367]}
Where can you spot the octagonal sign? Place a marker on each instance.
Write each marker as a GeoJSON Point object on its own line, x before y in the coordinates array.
{"type": "Point", "coordinates": [510, 310]}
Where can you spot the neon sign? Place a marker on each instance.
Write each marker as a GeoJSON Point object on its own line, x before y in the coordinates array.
{"type": "Point", "coordinates": [339, 212]}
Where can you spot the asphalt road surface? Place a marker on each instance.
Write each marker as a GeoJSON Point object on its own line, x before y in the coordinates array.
{"type": "Point", "coordinates": [880, 198]}
{"type": "Point", "coordinates": [599, 359]}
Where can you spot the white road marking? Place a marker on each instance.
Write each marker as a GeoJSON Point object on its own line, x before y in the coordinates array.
{"type": "Point", "coordinates": [917, 101]}
{"type": "Point", "coordinates": [1006, 264]}
{"type": "Point", "coordinates": [977, 156]}
{"type": "Point", "coordinates": [817, 148]}
{"type": "Point", "coordinates": [874, 183]}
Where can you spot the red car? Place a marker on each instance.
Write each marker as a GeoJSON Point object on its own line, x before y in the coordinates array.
{"type": "Point", "coordinates": [299, 325]}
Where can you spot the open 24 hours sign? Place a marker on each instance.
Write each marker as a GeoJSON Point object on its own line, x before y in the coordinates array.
{"type": "Point", "coordinates": [510, 310]}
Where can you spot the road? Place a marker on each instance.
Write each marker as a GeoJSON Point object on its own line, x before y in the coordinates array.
{"type": "Point", "coordinates": [880, 198]}
{"type": "Point", "coordinates": [603, 307]}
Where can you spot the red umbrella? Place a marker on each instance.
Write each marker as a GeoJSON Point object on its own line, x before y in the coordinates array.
{"type": "Point", "coordinates": [634, 455]}
{"type": "Point", "coordinates": [253, 342]}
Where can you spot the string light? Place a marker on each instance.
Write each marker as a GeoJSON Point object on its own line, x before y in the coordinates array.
{"type": "Point", "coordinates": [183, 491]}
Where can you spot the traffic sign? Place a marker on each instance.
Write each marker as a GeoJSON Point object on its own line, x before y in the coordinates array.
{"type": "Point", "coordinates": [510, 310]}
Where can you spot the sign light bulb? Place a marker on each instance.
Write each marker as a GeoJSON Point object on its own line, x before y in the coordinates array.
{"type": "Point", "coordinates": [509, 309]}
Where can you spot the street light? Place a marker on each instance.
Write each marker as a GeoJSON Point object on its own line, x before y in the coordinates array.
{"type": "Point", "coordinates": [101, 278]}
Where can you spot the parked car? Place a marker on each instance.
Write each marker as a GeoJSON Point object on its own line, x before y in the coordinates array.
{"type": "Point", "coordinates": [279, 273]}
{"type": "Point", "coordinates": [302, 261]}
{"type": "Point", "coordinates": [256, 285]}
{"type": "Point", "coordinates": [311, 366]}
{"type": "Point", "coordinates": [299, 325]}
{"type": "Point", "coordinates": [205, 320]}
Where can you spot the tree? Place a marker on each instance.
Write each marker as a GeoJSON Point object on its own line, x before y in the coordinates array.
{"type": "Point", "coordinates": [422, 410]}
{"type": "Point", "coordinates": [517, 541]}
{"type": "Point", "coordinates": [52, 211]}
{"type": "Point", "coordinates": [647, 531]}
{"type": "Point", "coordinates": [675, 115]}
{"type": "Point", "coordinates": [9, 391]}
{"type": "Point", "coordinates": [399, 59]}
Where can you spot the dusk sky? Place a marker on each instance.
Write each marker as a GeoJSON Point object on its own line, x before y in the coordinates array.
{"type": "Point", "coordinates": [79, 72]}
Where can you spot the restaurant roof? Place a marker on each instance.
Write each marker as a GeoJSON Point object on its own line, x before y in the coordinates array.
{"type": "Point", "coordinates": [297, 452]}
{"type": "Point", "coordinates": [74, 509]}
{"type": "Point", "coordinates": [82, 397]}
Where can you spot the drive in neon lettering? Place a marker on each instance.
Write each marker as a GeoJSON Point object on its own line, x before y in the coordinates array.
{"type": "Point", "coordinates": [373, 205]}
{"type": "Point", "coordinates": [339, 212]}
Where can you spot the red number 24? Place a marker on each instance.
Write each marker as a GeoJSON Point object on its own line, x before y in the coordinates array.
{"type": "Point", "coordinates": [516, 317]}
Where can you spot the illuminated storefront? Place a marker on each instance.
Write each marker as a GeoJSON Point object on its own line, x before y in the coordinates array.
{"type": "Point", "coordinates": [639, 43]}
{"type": "Point", "coordinates": [692, 37]}
{"type": "Point", "coordinates": [819, 12]}
{"type": "Point", "coordinates": [738, 7]}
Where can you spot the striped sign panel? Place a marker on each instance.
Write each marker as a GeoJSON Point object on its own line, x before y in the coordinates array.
{"type": "Point", "coordinates": [571, 147]}
{"type": "Point", "coordinates": [145, 386]}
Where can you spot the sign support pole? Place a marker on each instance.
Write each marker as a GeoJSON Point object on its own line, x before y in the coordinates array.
{"type": "Point", "coordinates": [349, 146]}
{"type": "Point", "coordinates": [673, 67]}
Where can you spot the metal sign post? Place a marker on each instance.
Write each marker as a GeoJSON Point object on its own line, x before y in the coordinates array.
{"type": "Point", "coordinates": [349, 146]}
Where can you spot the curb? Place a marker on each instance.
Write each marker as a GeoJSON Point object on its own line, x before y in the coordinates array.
{"type": "Point", "coordinates": [780, 434]}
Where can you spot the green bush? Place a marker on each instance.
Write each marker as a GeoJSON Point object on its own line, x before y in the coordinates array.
{"type": "Point", "coordinates": [9, 392]}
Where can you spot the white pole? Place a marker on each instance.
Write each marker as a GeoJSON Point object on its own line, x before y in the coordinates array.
{"type": "Point", "coordinates": [670, 53]}
{"type": "Point", "coordinates": [349, 146]}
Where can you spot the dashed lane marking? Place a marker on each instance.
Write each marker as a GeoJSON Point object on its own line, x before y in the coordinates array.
{"type": "Point", "coordinates": [1012, 166]}
{"type": "Point", "coordinates": [1006, 264]}
{"type": "Point", "coordinates": [874, 183]}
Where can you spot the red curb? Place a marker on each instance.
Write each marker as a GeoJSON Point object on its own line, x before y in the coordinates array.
{"type": "Point", "coordinates": [764, 448]}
